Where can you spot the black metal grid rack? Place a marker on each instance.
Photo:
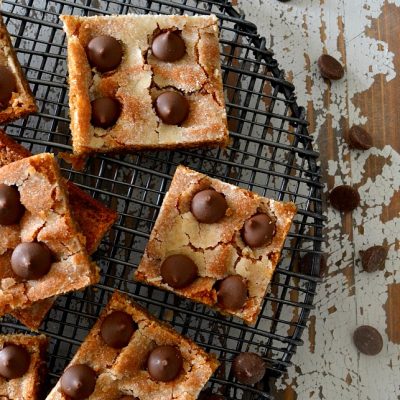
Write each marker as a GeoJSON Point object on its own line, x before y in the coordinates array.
{"type": "Point", "coordinates": [271, 153]}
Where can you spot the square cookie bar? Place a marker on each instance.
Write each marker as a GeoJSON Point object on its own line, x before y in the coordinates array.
{"type": "Point", "coordinates": [16, 99]}
{"type": "Point", "coordinates": [42, 253]}
{"type": "Point", "coordinates": [20, 380]}
{"type": "Point", "coordinates": [130, 353]}
{"type": "Point", "coordinates": [94, 219]}
{"type": "Point", "coordinates": [216, 244]}
{"type": "Point", "coordinates": [144, 82]}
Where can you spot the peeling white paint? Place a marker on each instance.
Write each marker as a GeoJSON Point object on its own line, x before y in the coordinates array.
{"type": "Point", "coordinates": [284, 25]}
{"type": "Point", "coordinates": [335, 370]}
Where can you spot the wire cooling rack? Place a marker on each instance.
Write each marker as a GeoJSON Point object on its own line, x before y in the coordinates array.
{"type": "Point", "coordinates": [271, 153]}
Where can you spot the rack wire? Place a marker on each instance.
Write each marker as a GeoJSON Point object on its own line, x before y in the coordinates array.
{"type": "Point", "coordinates": [271, 153]}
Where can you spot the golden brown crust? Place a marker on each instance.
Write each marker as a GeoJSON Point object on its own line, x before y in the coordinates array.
{"type": "Point", "coordinates": [47, 219]}
{"type": "Point", "coordinates": [94, 220]}
{"type": "Point", "coordinates": [27, 387]}
{"type": "Point", "coordinates": [122, 371]}
{"type": "Point", "coordinates": [33, 316]}
{"type": "Point", "coordinates": [22, 103]}
{"type": "Point", "coordinates": [10, 150]}
{"type": "Point", "coordinates": [217, 249]}
{"type": "Point", "coordinates": [93, 217]}
{"type": "Point", "coordinates": [139, 77]}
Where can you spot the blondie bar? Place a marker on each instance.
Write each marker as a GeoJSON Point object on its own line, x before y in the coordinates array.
{"type": "Point", "coordinates": [16, 99]}
{"type": "Point", "coordinates": [130, 353]}
{"type": "Point", "coordinates": [144, 82]}
{"type": "Point", "coordinates": [216, 244]}
{"type": "Point", "coordinates": [42, 253]}
{"type": "Point", "coordinates": [22, 365]}
{"type": "Point", "coordinates": [93, 218]}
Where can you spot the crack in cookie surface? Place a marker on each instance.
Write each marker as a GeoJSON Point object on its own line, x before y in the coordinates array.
{"type": "Point", "coordinates": [47, 219]}
{"type": "Point", "coordinates": [217, 249]}
{"type": "Point", "coordinates": [139, 126]}
{"type": "Point", "coordinates": [123, 371]}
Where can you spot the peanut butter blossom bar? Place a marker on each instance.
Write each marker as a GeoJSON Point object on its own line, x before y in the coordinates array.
{"type": "Point", "coordinates": [42, 253]}
{"type": "Point", "coordinates": [144, 82]}
{"type": "Point", "coordinates": [22, 365]}
{"type": "Point", "coordinates": [93, 218]}
{"type": "Point", "coordinates": [216, 244]}
{"type": "Point", "coordinates": [129, 354]}
{"type": "Point", "coordinates": [16, 99]}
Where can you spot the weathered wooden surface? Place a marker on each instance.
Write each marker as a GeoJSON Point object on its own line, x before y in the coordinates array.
{"type": "Point", "coordinates": [365, 36]}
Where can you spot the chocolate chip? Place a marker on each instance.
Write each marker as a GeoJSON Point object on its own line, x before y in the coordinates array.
{"type": "Point", "coordinates": [259, 230]}
{"type": "Point", "coordinates": [104, 53]}
{"type": "Point", "coordinates": [164, 363]}
{"type": "Point", "coordinates": [117, 329]}
{"type": "Point", "coordinates": [330, 68]}
{"type": "Point", "coordinates": [78, 381]}
{"type": "Point", "coordinates": [179, 271]}
{"type": "Point", "coordinates": [359, 138]}
{"type": "Point", "coordinates": [248, 368]}
{"type": "Point", "coordinates": [168, 46]}
{"type": "Point", "coordinates": [11, 209]}
{"type": "Point", "coordinates": [344, 198]}
{"type": "Point", "coordinates": [14, 361]}
{"type": "Point", "coordinates": [373, 259]}
{"type": "Point", "coordinates": [306, 263]}
{"type": "Point", "coordinates": [8, 85]}
{"type": "Point", "coordinates": [368, 340]}
{"type": "Point", "coordinates": [105, 112]}
{"type": "Point", "coordinates": [232, 292]}
{"type": "Point", "coordinates": [31, 260]}
{"type": "Point", "coordinates": [172, 107]}
{"type": "Point", "coordinates": [208, 206]}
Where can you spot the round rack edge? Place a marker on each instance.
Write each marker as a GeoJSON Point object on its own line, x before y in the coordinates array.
{"type": "Point", "coordinates": [270, 153]}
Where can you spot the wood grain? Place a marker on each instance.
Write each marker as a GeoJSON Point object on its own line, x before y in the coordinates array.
{"type": "Point", "coordinates": [364, 36]}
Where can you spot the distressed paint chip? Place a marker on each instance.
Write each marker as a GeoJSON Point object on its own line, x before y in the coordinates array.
{"type": "Point", "coordinates": [330, 365]}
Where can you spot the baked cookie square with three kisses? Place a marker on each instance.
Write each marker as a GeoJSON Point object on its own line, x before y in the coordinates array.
{"type": "Point", "coordinates": [22, 366]}
{"type": "Point", "coordinates": [216, 243]}
{"type": "Point", "coordinates": [42, 253]}
{"type": "Point", "coordinates": [144, 82]}
{"type": "Point", "coordinates": [129, 354]}
{"type": "Point", "coordinates": [16, 99]}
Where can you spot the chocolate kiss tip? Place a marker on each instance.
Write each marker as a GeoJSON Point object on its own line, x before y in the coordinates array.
{"type": "Point", "coordinates": [208, 199]}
